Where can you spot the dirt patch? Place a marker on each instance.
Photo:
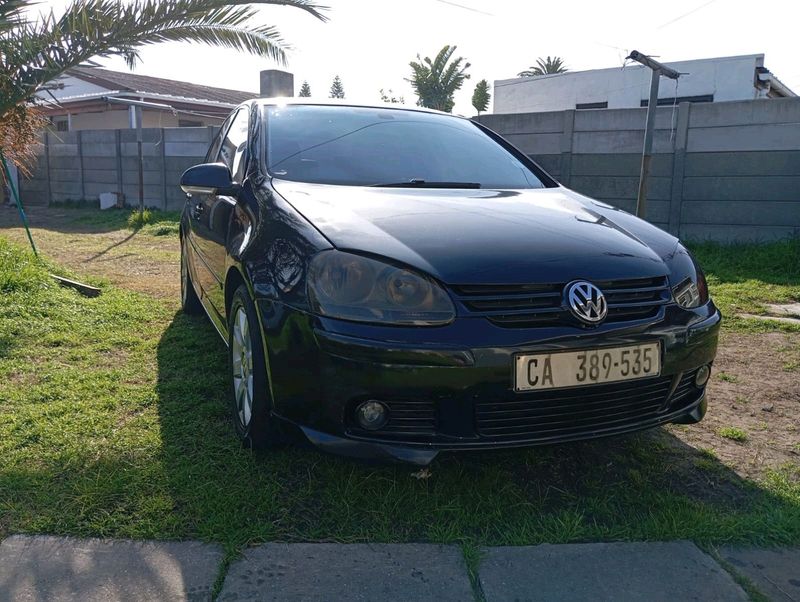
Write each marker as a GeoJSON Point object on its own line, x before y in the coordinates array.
{"type": "Point", "coordinates": [755, 387]}
{"type": "Point", "coordinates": [129, 259]}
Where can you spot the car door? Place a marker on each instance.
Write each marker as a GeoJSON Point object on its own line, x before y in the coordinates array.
{"type": "Point", "coordinates": [212, 212]}
{"type": "Point", "coordinates": [197, 233]}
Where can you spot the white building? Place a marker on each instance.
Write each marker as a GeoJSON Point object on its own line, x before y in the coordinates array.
{"type": "Point", "coordinates": [702, 80]}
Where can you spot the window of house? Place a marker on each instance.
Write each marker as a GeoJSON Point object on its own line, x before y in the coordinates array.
{"type": "Point", "coordinates": [189, 123]}
{"type": "Point", "coordinates": [61, 124]}
{"type": "Point", "coordinates": [592, 105]}
{"type": "Point", "coordinates": [672, 100]}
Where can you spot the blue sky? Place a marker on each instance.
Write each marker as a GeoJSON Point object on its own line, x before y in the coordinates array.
{"type": "Point", "coordinates": [369, 43]}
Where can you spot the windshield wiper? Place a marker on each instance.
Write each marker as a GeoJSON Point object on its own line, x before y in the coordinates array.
{"type": "Point", "coordinates": [418, 183]}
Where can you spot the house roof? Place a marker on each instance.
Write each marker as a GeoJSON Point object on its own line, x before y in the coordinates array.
{"type": "Point", "coordinates": [145, 84]}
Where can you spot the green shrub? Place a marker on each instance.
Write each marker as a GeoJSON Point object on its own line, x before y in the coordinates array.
{"type": "Point", "coordinates": [139, 217]}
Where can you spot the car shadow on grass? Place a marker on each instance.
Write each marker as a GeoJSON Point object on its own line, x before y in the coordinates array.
{"type": "Point", "coordinates": [648, 486]}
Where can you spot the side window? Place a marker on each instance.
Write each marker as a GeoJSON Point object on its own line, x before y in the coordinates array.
{"type": "Point", "coordinates": [213, 150]}
{"type": "Point", "coordinates": [234, 144]}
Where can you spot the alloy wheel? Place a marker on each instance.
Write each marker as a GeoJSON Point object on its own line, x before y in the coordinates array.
{"type": "Point", "coordinates": [242, 354]}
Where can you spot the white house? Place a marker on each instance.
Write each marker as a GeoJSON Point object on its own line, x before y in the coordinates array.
{"type": "Point", "coordinates": [701, 80]}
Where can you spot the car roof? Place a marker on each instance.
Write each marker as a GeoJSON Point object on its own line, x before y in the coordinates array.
{"type": "Point", "coordinates": [337, 102]}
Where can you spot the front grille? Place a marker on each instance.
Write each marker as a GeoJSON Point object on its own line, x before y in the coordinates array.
{"type": "Point", "coordinates": [532, 305]}
{"type": "Point", "coordinates": [581, 411]}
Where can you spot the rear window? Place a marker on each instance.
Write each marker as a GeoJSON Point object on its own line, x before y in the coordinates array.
{"type": "Point", "coordinates": [361, 146]}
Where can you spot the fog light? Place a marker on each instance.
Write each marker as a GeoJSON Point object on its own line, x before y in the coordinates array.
{"type": "Point", "coordinates": [701, 378]}
{"type": "Point", "coordinates": [372, 415]}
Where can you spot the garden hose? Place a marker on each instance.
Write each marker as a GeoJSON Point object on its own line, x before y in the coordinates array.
{"type": "Point", "coordinates": [84, 289]}
{"type": "Point", "coordinates": [7, 173]}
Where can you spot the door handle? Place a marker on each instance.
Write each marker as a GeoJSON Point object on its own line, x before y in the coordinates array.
{"type": "Point", "coordinates": [197, 211]}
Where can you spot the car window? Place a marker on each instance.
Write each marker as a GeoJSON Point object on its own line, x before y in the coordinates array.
{"type": "Point", "coordinates": [233, 146]}
{"type": "Point", "coordinates": [213, 150]}
{"type": "Point", "coordinates": [366, 146]}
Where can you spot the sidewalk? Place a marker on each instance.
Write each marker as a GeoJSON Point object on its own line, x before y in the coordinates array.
{"type": "Point", "coordinates": [34, 568]}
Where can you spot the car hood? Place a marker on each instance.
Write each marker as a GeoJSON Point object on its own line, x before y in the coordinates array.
{"type": "Point", "coordinates": [485, 236]}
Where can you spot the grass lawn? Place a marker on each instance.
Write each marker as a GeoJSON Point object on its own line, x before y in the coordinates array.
{"type": "Point", "coordinates": [114, 422]}
{"type": "Point", "coordinates": [744, 277]}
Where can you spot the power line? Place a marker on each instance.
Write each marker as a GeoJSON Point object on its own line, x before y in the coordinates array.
{"type": "Point", "coordinates": [536, 78]}
{"type": "Point", "coordinates": [469, 8]}
{"type": "Point", "coordinates": [691, 12]}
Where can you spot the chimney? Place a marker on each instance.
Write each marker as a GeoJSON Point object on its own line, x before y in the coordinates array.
{"type": "Point", "coordinates": [275, 82]}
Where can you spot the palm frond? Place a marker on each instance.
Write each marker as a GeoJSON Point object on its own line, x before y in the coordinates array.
{"type": "Point", "coordinates": [13, 13]}
{"type": "Point", "coordinates": [264, 41]}
{"type": "Point", "coordinates": [35, 53]}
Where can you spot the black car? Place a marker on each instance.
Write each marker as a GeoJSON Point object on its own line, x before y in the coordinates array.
{"type": "Point", "coordinates": [394, 281]}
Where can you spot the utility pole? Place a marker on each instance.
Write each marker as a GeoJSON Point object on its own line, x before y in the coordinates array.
{"type": "Point", "coordinates": [659, 70]}
{"type": "Point", "coordinates": [137, 112]}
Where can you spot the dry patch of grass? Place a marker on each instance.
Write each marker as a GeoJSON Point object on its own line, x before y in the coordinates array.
{"type": "Point", "coordinates": [101, 247]}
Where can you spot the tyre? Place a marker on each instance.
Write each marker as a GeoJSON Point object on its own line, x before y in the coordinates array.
{"type": "Point", "coordinates": [190, 302]}
{"type": "Point", "coordinates": [251, 401]}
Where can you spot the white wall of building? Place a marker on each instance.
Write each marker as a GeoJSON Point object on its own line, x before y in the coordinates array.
{"type": "Point", "coordinates": [119, 119]}
{"type": "Point", "coordinates": [73, 86]}
{"type": "Point", "coordinates": [727, 78]}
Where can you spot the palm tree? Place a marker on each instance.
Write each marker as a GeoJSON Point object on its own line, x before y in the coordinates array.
{"type": "Point", "coordinates": [34, 51]}
{"type": "Point", "coordinates": [545, 67]}
{"type": "Point", "coordinates": [435, 81]}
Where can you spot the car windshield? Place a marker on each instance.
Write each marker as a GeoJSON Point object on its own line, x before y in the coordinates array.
{"type": "Point", "coordinates": [361, 146]}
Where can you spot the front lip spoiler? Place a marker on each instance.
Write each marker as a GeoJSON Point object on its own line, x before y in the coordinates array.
{"type": "Point", "coordinates": [423, 454]}
{"type": "Point", "coordinates": [368, 450]}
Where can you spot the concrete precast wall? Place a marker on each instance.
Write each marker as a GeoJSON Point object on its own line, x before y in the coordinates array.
{"type": "Point", "coordinates": [727, 171]}
{"type": "Point", "coordinates": [81, 165]}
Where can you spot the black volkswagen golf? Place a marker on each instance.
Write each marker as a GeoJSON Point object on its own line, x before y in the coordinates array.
{"type": "Point", "coordinates": [394, 282]}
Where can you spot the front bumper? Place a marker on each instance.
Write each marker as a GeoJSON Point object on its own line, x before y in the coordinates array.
{"type": "Point", "coordinates": [447, 394]}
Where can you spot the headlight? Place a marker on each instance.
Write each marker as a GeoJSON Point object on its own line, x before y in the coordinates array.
{"type": "Point", "coordinates": [351, 287]}
{"type": "Point", "coordinates": [691, 289]}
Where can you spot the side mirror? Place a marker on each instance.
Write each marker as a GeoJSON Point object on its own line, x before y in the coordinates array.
{"type": "Point", "coordinates": [208, 178]}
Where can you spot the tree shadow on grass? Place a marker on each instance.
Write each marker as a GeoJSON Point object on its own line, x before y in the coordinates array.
{"type": "Point", "coordinates": [643, 487]}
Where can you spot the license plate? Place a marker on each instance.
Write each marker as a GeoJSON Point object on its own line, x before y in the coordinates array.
{"type": "Point", "coordinates": [564, 369]}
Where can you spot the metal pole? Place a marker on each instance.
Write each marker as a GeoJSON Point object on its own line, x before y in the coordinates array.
{"type": "Point", "coordinates": [141, 158]}
{"type": "Point", "coordinates": [659, 69]}
{"type": "Point", "coordinates": [17, 201]}
{"type": "Point", "coordinates": [647, 152]}
{"type": "Point", "coordinates": [645, 60]}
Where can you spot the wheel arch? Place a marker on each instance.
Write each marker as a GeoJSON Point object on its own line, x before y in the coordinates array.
{"type": "Point", "coordinates": [233, 280]}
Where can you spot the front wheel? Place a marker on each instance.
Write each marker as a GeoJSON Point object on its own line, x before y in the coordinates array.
{"type": "Point", "coordinates": [251, 398]}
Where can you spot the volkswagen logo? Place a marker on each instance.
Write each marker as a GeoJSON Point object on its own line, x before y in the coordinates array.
{"type": "Point", "coordinates": [586, 302]}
